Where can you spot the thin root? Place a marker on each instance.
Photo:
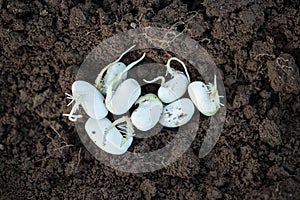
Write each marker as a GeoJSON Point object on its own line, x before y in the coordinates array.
{"type": "Point", "coordinates": [112, 85]}
{"type": "Point", "coordinates": [70, 97]}
{"type": "Point", "coordinates": [98, 81]}
{"type": "Point", "coordinates": [163, 80]}
{"type": "Point", "coordinates": [170, 70]}
{"type": "Point", "coordinates": [77, 100]}
{"type": "Point", "coordinates": [282, 66]}
{"type": "Point", "coordinates": [127, 129]}
{"type": "Point", "coordinates": [71, 116]}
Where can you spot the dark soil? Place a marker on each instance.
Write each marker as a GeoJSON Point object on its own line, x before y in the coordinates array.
{"type": "Point", "coordinates": [256, 44]}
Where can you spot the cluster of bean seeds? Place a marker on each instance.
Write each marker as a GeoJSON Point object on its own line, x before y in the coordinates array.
{"type": "Point", "coordinates": [116, 94]}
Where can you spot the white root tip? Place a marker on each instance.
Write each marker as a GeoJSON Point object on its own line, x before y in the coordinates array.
{"type": "Point", "coordinates": [124, 53]}
{"type": "Point", "coordinates": [163, 80]}
{"type": "Point", "coordinates": [133, 64]}
{"type": "Point", "coordinates": [70, 102]}
{"type": "Point", "coordinates": [72, 118]}
{"type": "Point", "coordinates": [215, 80]}
{"type": "Point", "coordinates": [70, 97]}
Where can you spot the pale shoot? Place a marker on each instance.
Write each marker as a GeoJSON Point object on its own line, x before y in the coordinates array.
{"type": "Point", "coordinates": [99, 81]}
{"type": "Point", "coordinates": [113, 85]}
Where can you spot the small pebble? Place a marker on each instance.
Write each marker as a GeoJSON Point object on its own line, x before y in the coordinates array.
{"type": "Point", "coordinates": [133, 25]}
{"type": "Point", "coordinates": [44, 13]}
{"type": "Point", "coordinates": [1, 147]}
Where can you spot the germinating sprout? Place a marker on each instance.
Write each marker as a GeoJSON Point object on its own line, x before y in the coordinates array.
{"type": "Point", "coordinates": [113, 69]}
{"type": "Point", "coordinates": [174, 88]}
{"type": "Point", "coordinates": [167, 107]}
{"type": "Point", "coordinates": [205, 97]}
{"type": "Point", "coordinates": [111, 141]}
{"type": "Point", "coordinates": [121, 96]}
{"type": "Point", "coordinates": [126, 129]}
{"type": "Point", "coordinates": [149, 110]}
{"type": "Point", "coordinates": [86, 95]}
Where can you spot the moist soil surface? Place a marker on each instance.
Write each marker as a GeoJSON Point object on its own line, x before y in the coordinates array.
{"type": "Point", "coordinates": [255, 44]}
